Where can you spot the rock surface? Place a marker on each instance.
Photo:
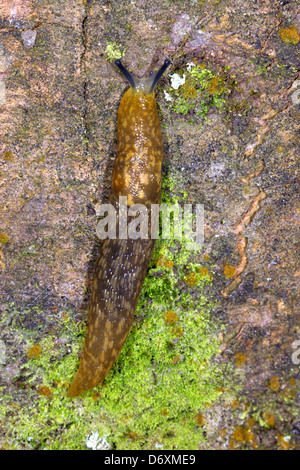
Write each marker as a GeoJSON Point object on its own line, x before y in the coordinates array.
{"type": "Point", "coordinates": [58, 102]}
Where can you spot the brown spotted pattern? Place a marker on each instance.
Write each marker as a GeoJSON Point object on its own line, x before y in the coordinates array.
{"type": "Point", "coordinates": [122, 264]}
{"type": "Point", "coordinates": [137, 168]}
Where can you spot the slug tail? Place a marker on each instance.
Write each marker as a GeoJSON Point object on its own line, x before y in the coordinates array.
{"type": "Point", "coordinates": [120, 272]}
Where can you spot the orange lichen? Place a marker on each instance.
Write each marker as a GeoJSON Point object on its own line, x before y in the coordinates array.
{"type": "Point", "coordinates": [177, 331]}
{"type": "Point", "coordinates": [283, 442]}
{"type": "Point", "coordinates": [274, 383]}
{"type": "Point", "coordinates": [252, 439]}
{"type": "Point", "coordinates": [229, 271]}
{"type": "Point", "coordinates": [240, 359]}
{"type": "Point", "coordinates": [231, 445]}
{"type": "Point", "coordinates": [204, 272]}
{"type": "Point", "coordinates": [165, 263]}
{"type": "Point", "coordinates": [235, 404]}
{"type": "Point", "coordinates": [238, 434]}
{"type": "Point", "coordinates": [269, 418]}
{"type": "Point", "coordinates": [171, 318]}
{"type": "Point", "coordinates": [292, 382]}
{"type": "Point", "coordinates": [200, 419]}
{"type": "Point", "coordinates": [191, 279]}
{"type": "Point", "coordinates": [289, 35]}
{"type": "Point", "coordinates": [214, 86]}
{"type": "Point", "coordinates": [45, 391]}
{"type": "Point", "coordinates": [243, 436]}
{"type": "Point", "coordinates": [3, 238]}
{"type": "Point", "coordinates": [8, 156]}
{"type": "Point", "coordinates": [34, 352]}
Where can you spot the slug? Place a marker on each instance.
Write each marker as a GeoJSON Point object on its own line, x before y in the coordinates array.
{"type": "Point", "coordinates": [122, 263]}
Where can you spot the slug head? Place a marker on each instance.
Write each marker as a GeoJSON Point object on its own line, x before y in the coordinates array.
{"type": "Point", "coordinates": [143, 85]}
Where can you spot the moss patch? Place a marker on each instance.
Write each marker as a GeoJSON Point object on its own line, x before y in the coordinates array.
{"type": "Point", "coordinates": [164, 379]}
{"type": "Point", "coordinates": [198, 88]}
{"type": "Point", "coordinates": [113, 51]}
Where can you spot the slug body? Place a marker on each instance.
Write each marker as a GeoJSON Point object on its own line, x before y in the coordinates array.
{"type": "Point", "coordinates": [122, 263]}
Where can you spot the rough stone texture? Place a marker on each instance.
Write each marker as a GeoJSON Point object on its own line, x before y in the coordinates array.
{"type": "Point", "coordinates": [58, 101]}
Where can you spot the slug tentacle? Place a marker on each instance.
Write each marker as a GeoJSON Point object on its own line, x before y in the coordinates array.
{"type": "Point", "coordinates": [125, 72]}
{"type": "Point", "coordinates": [122, 263]}
{"type": "Point", "coordinates": [146, 84]}
{"type": "Point", "coordinates": [159, 74]}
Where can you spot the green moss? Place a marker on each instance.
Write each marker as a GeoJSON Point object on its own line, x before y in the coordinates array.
{"type": "Point", "coordinates": [197, 88]}
{"type": "Point", "coordinates": [113, 51]}
{"type": "Point", "coordinates": [164, 377]}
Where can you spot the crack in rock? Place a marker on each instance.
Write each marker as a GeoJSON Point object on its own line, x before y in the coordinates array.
{"type": "Point", "coordinates": [84, 74]}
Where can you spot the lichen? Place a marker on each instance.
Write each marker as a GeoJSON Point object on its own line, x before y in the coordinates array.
{"type": "Point", "coordinates": [244, 435]}
{"type": "Point", "coordinates": [8, 156]}
{"type": "Point", "coordinates": [289, 35]}
{"type": "Point", "coordinates": [229, 271]}
{"type": "Point", "coordinates": [196, 88]}
{"type": "Point", "coordinates": [113, 51]}
{"type": "Point", "coordinates": [3, 238]}
{"type": "Point", "coordinates": [274, 383]}
{"type": "Point", "coordinates": [35, 351]}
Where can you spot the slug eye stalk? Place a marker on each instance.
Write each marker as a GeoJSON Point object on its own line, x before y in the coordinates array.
{"type": "Point", "coordinates": [125, 72]}
{"type": "Point", "coordinates": [159, 73]}
{"type": "Point", "coordinates": [146, 84]}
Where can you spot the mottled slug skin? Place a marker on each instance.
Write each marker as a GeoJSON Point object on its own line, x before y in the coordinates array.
{"type": "Point", "coordinates": [122, 264]}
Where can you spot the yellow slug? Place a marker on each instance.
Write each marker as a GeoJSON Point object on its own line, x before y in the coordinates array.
{"type": "Point", "coordinates": [122, 263]}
